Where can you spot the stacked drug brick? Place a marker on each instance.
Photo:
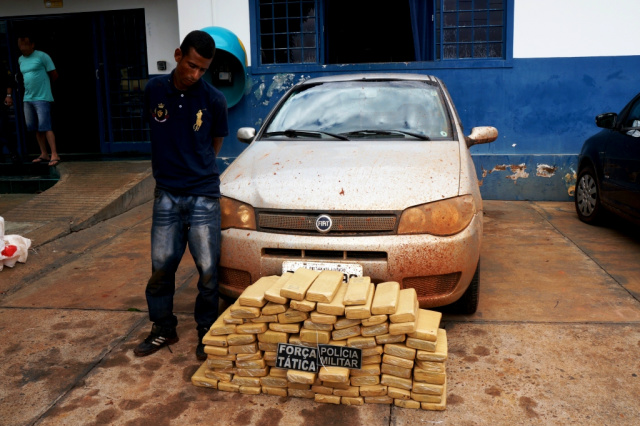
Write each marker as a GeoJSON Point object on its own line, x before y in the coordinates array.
{"type": "Point", "coordinates": [403, 349]}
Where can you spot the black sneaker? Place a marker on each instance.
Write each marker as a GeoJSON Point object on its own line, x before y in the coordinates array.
{"type": "Point", "coordinates": [157, 339]}
{"type": "Point", "coordinates": [200, 353]}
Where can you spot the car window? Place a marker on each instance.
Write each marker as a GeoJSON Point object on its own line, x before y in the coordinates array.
{"type": "Point", "coordinates": [349, 108]}
{"type": "Point", "coordinates": [633, 119]}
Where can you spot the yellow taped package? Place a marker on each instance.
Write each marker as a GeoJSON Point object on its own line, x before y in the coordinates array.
{"type": "Point", "coordinates": [383, 339]}
{"type": "Point", "coordinates": [327, 399]}
{"type": "Point", "coordinates": [397, 393]}
{"type": "Point", "coordinates": [315, 336]}
{"type": "Point", "coordinates": [396, 382]}
{"type": "Point", "coordinates": [358, 291]}
{"type": "Point", "coordinates": [292, 316]}
{"type": "Point", "coordinates": [386, 298]}
{"type": "Point", "coordinates": [396, 360]}
{"type": "Point", "coordinates": [291, 328]}
{"type": "Point", "coordinates": [272, 294]}
{"type": "Point", "coordinates": [378, 400]}
{"type": "Point", "coordinates": [428, 325]}
{"type": "Point", "coordinates": [376, 330]}
{"type": "Point", "coordinates": [334, 374]}
{"type": "Point", "coordinates": [394, 370]}
{"type": "Point", "coordinates": [437, 378]}
{"type": "Point", "coordinates": [402, 327]}
{"type": "Point", "coordinates": [325, 287]}
{"type": "Point", "coordinates": [199, 379]}
{"type": "Point", "coordinates": [374, 320]}
{"type": "Point", "coordinates": [365, 380]}
{"type": "Point", "coordinates": [373, 390]}
{"type": "Point", "coordinates": [345, 333]}
{"type": "Point", "coordinates": [361, 311]}
{"type": "Point", "coordinates": [336, 306]}
{"type": "Point", "coordinates": [423, 345]}
{"type": "Point", "coordinates": [302, 305]}
{"type": "Point", "coordinates": [406, 403]}
{"type": "Point", "coordinates": [272, 308]}
{"type": "Point", "coordinates": [302, 377]}
{"type": "Point", "coordinates": [254, 294]}
{"type": "Point", "coordinates": [441, 352]}
{"type": "Point", "coordinates": [296, 287]}
{"type": "Point", "coordinates": [319, 318]}
{"type": "Point", "coordinates": [310, 325]}
{"type": "Point", "coordinates": [351, 391]}
{"type": "Point", "coordinates": [240, 339]}
{"type": "Point", "coordinates": [400, 350]}
{"type": "Point", "coordinates": [271, 336]}
{"type": "Point", "coordinates": [270, 390]}
{"type": "Point", "coordinates": [362, 342]}
{"type": "Point", "coordinates": [407, 306]}
{"type": "Point", "coordinates": [352, 401]}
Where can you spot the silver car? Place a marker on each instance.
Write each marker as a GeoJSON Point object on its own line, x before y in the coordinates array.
{"type": "Point", "coordinates": [366, 174]}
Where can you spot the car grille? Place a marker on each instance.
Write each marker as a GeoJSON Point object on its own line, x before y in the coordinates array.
{"type": "Point", "coordinates": [343, 224]}
{"type": "Point", "coordinates": [294, 254]}
{"type": "Point", "coordinates": [434, 285]}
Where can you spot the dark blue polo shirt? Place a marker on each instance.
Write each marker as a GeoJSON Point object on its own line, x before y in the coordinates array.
{"type": "Point", "coordinates": [183, 125]}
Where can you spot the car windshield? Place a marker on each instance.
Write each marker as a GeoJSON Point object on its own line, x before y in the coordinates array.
{"type": "Point", "coordinates": [407, 110]}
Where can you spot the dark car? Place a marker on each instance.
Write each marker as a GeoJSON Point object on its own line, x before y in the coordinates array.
{"type": "Point", "coordinates": [609, 167]}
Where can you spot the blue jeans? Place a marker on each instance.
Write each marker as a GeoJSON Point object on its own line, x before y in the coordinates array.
{"type": "Point", "coordinates": [37, 115]}
{"type": "Point", "coordinates": [179, 220]}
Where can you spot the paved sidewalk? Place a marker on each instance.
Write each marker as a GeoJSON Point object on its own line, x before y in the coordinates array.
{"type": "Point", "coordinates": [87, 193]}
{"type": "Point", "coordinates": [555, 340]}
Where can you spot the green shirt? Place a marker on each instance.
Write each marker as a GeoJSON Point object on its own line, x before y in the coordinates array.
{"type": "Point", "coordinates": [35, 69]}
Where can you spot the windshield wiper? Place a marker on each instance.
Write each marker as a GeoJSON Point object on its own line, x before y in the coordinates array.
{"type": "Point", "coordinates": [292, 133]}
{"type": "Point", "coordinates": [387, 133]}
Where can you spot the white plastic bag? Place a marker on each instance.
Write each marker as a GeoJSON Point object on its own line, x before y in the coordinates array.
{"type": "Point", "coordinates": [13, 248]}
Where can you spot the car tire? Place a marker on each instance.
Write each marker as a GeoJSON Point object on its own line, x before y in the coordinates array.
{"type": "Point", "coordinates": [468, 303]}
{"type": "Point", "coordinates": [587, 197]}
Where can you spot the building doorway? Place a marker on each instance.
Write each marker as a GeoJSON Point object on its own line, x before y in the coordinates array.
{"type": "Point", "coordinates": [101, 61]}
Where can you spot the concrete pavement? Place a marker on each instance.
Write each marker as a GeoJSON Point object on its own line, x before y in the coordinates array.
{"type": "Point", "coordinates": [555, 340]}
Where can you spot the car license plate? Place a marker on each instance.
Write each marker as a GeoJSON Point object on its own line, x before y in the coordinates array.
{"type": "Point", "coordinates": [348, 269]}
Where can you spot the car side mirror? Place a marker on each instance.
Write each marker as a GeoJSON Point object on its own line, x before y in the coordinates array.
{"type": "Point", "coordinates": [246, 134]}
{"type": "Point", "coordinates": [480, 135]}
{"type": "Point", "coordinates": [607, 120]}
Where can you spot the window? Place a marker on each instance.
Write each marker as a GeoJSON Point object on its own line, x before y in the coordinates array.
{"type": "Point", "coordinates": [469, 29]}
{"type": "Point", "coordinates": [288, 31]}
{"type": "Point", "coordinates": [368, 31]}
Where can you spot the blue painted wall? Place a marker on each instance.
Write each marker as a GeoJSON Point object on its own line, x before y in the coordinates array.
{"type": "Point", "coordinates": [543, 108]}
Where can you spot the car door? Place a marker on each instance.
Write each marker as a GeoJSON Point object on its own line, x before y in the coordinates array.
{"type": "Point", "coordinates": [622, 161]}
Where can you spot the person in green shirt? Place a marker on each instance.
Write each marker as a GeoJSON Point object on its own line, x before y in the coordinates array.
{"type": "Point", "coordinates": [38, 72]}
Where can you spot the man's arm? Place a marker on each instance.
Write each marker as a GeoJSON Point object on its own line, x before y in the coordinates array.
{"type": "Point", "coordinates": [53, 75]}
{"type": "Point", "coordinates": [217, 145]}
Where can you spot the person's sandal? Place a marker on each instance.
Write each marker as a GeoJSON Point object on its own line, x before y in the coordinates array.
{"type": "Point", "coordinates": [41, 160]}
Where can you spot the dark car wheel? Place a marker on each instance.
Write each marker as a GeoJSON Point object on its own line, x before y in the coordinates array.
{"type": "Point", "coordinates": [587, 196]}
{"type": "Point", "coordinates": [468, 303]}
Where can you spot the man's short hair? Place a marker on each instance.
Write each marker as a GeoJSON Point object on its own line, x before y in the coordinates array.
{"type": "Point", "coordinates": [202, 42]}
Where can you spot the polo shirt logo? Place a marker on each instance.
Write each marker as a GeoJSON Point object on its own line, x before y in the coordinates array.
{"type": "Point", "coordinates": [160, 113]}
{"type": "Point", "coordinates": [196, 126]}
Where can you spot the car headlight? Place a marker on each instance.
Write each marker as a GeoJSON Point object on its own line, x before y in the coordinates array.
{"type": "Point", "coordinates": [234, 214]}
{"type": "Point", "coordinates": [446, 217]}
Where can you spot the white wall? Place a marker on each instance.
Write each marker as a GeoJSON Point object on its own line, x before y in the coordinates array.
{"type": "Point", "coordinates": [230, 14]}
{"type": "Point", "coordinates": [160, 17]}
{"type": "Point", "coordinates": [576, 28]}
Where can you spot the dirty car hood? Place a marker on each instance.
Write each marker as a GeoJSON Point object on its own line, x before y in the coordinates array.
{"type": "Point", "coordinates": [336, 175]}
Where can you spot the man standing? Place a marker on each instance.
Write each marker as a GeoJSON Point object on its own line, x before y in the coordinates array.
{"type": "Point", "coordinates": [38, 72]}
{"type": "Point", "coordinates": [188, 121]}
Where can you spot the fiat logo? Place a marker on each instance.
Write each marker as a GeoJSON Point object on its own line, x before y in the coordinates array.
{"type": "Point", "coordinates": [323, 223]}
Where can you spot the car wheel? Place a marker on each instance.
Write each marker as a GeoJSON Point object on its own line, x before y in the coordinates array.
{"type": "Point", "coordinates": [587, 196]}
{"type": "Point", "coordinates": [468, 303]}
